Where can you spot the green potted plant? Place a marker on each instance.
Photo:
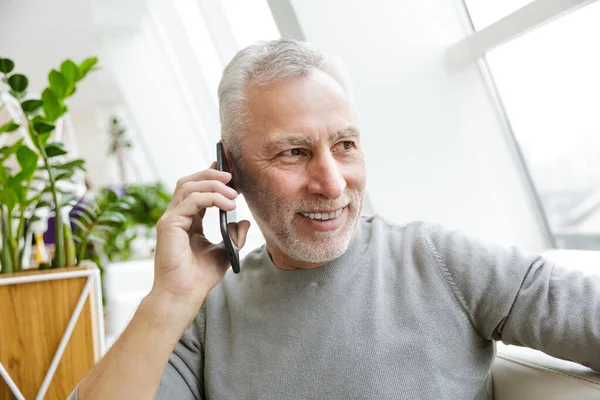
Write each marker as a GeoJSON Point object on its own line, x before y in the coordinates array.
{"type": "Point", "coordinates": [39, 159]}
{"type": "Point", "coordinates": [35, 172]}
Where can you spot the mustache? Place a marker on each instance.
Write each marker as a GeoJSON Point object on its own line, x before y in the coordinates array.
{"type": "Point", "coordinates": [308, 205]}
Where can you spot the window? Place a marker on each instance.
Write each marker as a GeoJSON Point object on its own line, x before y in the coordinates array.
{"type": "Point", "coordinates": [549, 82]}
{"type": "Point", "coordinates": [251, 20]}
{"type": "Point", "coordinates": [485, 12]}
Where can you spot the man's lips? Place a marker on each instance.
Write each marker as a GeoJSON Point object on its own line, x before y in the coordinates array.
{"type": "Point", "coordinates": [328, 220]}
{"type": "Point", "coordinates": [323, 214]}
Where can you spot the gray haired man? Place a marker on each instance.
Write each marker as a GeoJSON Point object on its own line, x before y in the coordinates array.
{"type": "Point", "coordinates": [334, 306]}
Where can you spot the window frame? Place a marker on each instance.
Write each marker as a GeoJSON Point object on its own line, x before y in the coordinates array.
{"type": "Point", "coordinates": [474, 48]}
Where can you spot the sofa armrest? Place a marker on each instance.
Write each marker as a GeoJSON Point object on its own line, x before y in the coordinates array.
{"type": "Point", "coordinates": [521, 373]}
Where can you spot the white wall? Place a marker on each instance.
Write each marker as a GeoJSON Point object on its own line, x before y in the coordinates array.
{"type": "Point", "coordinates": [434, 147]}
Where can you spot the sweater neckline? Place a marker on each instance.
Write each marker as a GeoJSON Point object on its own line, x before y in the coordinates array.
{"type": "Point", "coordinates": [340, 266]}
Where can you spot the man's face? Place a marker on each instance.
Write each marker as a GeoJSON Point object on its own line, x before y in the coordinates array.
{"type": "Point", "coordinates": [304, 168]}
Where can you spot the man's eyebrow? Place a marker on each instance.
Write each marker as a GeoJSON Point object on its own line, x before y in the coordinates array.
{"type": "Point", "coordinates": [344, 133]}
{"type": "Point", "coordinates": [286, 141]}
{"type": "Point", "coordinates": [301, 140]}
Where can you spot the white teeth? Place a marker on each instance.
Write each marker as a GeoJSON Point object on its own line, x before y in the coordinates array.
{"type": "Point", "coordinates": [324, 216]}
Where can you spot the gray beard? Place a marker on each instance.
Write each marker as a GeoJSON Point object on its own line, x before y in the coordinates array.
{"type": "Point", "coordinates": [324, 246]}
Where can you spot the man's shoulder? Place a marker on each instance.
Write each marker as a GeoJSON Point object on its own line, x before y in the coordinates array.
{"type": "Point", "coordinates": [382, 225]}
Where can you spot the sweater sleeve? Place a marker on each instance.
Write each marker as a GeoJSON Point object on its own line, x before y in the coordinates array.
{"type": "Point", "coordinates": [183, 378]}
{"type": "Point", "coordinates": [520, 297]}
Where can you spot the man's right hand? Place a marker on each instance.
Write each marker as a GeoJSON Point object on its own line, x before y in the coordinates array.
{"type": "Point", "coordinates": [187, 265]}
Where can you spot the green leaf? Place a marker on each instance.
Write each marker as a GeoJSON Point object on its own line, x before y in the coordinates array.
{"type": "Point", "coordinates": [111, 196]}
{"type": "Point", "coordinates": [6, 152]}
{"type": "Point", "coordinates": [43, 203]}
{"type": "Point", "coordinates": [106, 228]}
{"type": "Point", "coordinates": [18, 83]}
{"type": "Point", "coordinates": [33, 199]}
{"type": "Point", "coordinates": [58, 84]}
{"type": "Point", "coordinates": [69, 199]}
{"type": "Point", "coordinates": [78, 163]}
{"type": "Point", "coordinates": [43, 127]}
{"type": "Point", "coordinates": [62, 176]}
{"type": "Point", "coordinates": [97, 239]}
{"type": "Point", "coordinates": [62, 110]}
{"type": "Point", "coordinates": [122, 205]}
{"type": "Point", "coordinates": [28, 160]}
{"type": "Point", "coordinates": [10, 126]}
{"type": "Point", "coordinates": [54, 149]}
{"type": "Point", "coordinates": [86, 66]}
{"type": "Point", "coordinates": [51, 104]}
{"type": "Point", "coordinates": [89, 209]}
{"type": "Point", "coordinates": [6, 65]}
{"type": "Point", "coordinates": [31, 106]}
{"type": "Point", "coordinates": [15, 183]}
{"type": "Point", "coordinates": [8, 197]}
{"type": "Point", "coordinates": [82, 215]}
{"type": "Point", "coordinates": [4, 175]}
{"type": "Point", "coordinates": [43, 137]}
{"type": "Point", "coordinates": [112, 217]}
{"type": "Point", "coordinates": [79, 225]}
{"type": "Point", "coordinates": [70, 71]}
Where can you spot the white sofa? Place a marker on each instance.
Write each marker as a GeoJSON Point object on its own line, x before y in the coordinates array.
{"type": "Point", "coordinates": [524, 374]}
{"type": "Point", "coordinates": [521, 373]}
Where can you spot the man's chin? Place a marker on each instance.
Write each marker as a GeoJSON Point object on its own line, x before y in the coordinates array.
{"type": "Point", "coordinates": [321, 247]}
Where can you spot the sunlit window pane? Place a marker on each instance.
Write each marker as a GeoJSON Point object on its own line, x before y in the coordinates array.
{"type": "Point", "coordinates": [202, 44]}
{"type": "Point", "coordinates": [250, 20]}
{"type": "Point", "coordinates": [549, 82]}
{"type": "Point", "coordinates": [486, 12]}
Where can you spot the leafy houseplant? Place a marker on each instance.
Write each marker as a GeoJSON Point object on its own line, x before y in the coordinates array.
{"type": "Point", "coordinates": [147, 203]}
{"type": "Point", "coordinates": [36, 179]}
{"type": "Point", "coordinates": [118, 146]}
{"type": "Point", "coordinates": [102, 216]}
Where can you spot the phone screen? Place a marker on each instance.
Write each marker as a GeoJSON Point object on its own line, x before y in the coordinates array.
{"type": "Point", "coordinates": [233, 253]}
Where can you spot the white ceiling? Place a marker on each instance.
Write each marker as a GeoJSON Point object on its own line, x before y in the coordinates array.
{"type": "Point", "coordinates": [39, 34]}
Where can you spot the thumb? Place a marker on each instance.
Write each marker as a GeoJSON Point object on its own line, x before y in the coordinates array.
{"type": "Point", "coordinates": [239, 237]}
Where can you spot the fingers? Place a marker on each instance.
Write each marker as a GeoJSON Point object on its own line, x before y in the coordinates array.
{"type": "Point", "coordinates": [208, 186]}
{"type": "Point", "coordinates": [207, 174]}
{"type": "Point", "coordinates": [208, 180]}
{"type": "Point", "coordinates": [183, 214]}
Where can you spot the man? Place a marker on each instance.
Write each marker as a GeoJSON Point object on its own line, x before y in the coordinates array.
{"type": "Point", "coordinates": [335, 306]}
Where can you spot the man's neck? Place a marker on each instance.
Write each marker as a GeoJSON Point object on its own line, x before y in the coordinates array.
{"type": "Point", "coordinates": [283, 261]}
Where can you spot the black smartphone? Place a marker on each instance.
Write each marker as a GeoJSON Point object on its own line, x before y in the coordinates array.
{"type": "Point", "coordinates": [233, 253]}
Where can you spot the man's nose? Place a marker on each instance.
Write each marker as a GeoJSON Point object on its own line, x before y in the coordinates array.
{"type": "Point", "coordinates": [326, 177]}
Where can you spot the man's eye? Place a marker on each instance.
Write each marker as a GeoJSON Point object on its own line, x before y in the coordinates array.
{"type": "Point", "coordinates": [346, 145]}
{"type": "Point", "coordinates": [293, 152]}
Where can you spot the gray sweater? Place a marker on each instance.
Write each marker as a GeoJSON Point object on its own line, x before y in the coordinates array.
{"type": "Point", "coordinates": [408, 312]}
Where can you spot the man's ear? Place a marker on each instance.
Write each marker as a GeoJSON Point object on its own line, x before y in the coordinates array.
{"type": "Point", "coordinates": [229, 165]}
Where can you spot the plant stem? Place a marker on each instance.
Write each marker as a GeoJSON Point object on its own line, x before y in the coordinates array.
{"type": "Point", "coordinates": [21, 228]}
{"type": "Point", "coordinates": [7, 263]}
{"type": "Point", "coordinates": [59, 238]}
{"type": "Point", "coordinates": [85, 240]}
{"type": "Point", "coordinates": [13, 243]}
